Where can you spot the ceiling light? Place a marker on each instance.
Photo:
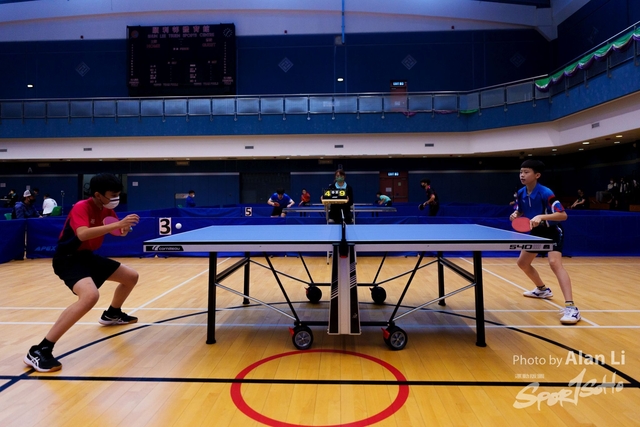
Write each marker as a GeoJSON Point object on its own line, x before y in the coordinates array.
{"type": "Point", "coordinates": [30, 86]}
{"type": "Point", "coordinates": [616, 142]}
{"type": "Point", "coordinates": [585, 143]}
{"type": "Point", "coordinates": [554, 149]}
{"type": "Point", "coordinates": [580, 149]}
{"type": "Point", "coordinates": [340, 79]}
{"type": "Point", "coordinates": [618, 136]}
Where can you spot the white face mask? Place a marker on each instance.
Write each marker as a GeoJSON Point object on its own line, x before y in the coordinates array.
{"type": "Point", "coordinates": [113, 203]}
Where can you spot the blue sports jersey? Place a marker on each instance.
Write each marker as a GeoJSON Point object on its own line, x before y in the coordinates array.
{"type": "Point", "coordinates": [284, 202]}
{"type": "Point", "coordinates": [540, 201]}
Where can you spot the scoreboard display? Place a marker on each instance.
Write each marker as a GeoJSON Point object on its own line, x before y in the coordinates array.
{"type": "Point", "coordinates": [181, 60]}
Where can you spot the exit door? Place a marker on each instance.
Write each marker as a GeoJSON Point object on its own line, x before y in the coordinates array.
{"type": "Point", "coordinates": [394, 185]}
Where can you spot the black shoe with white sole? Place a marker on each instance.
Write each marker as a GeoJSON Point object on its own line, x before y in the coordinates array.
{"type": "Point", "coordinates": [42, 360]}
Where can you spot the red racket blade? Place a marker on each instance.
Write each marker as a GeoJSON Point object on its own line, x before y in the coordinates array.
{"type": "Point", "coordinates": [522, 224]}
{"type": "Point", "coordinates": [110, 220]}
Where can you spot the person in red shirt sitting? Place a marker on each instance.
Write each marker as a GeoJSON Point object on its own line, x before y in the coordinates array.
{"type": "Point", "coordinates": [305, 198]}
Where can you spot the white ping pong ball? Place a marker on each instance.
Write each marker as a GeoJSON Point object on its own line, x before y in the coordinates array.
{"type": "Point", "coordinates": [178, 226]}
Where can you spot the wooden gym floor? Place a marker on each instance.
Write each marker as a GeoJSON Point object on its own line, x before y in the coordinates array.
{"type": "Point", "coordinates": [160, 372]}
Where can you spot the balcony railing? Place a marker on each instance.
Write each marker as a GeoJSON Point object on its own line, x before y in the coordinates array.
{"type": "Point", "coordinates": [283, 105]}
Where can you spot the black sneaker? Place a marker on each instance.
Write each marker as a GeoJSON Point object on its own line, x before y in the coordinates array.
{"type": "Point", "coordinates": [42, 360]}
{"type": "Point", "coordinates": [121, 318]}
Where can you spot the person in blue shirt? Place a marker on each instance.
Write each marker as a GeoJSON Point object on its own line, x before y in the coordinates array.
{"type": "Point", "coordinates": [279, 200]}
{"type": "Point", "coordinates": [537, 202]}
{"type": "Point", "coordinates": [190, 201]}
{"type": "Point", "coordinates": [383, 199]}
{"type": "Point", "coordinates": [25, 208]}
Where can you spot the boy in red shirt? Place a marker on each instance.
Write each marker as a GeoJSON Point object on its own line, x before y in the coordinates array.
{"type": "Point", "coordinates": [83, 271]}
{"type": "Point", "coordinates": [305, 198]}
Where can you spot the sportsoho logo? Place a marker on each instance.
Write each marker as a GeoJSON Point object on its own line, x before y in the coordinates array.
{"type": "Point", "coordinates": [164, 248]}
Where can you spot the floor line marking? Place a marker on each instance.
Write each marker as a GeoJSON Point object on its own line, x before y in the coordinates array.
{"type": "Point", "coordinates": [524, 289]}
{"type": "Point", "coordinates": [174, 288]}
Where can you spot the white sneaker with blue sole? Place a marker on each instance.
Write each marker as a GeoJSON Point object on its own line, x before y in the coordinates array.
{"type": "Point", "coordinates": [538, 293]}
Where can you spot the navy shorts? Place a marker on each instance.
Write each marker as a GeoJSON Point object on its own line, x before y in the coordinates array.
{"type": "Point", "coordinates": [555, 233]}
{"type": "Point", "coordinates": [82, 264]}
{"type": "Point", "coordinates": [277, 211]}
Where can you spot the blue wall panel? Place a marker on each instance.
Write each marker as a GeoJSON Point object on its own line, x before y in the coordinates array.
{"type": "Point", "coordinates": [594, 23]}
{"type": "Point", "coordinates": [12, 246]}
{"type": "Point", "coordinates": [155, 191]}
{"type": "Point", "coordinates": [311, 70]}
{"type": "Point", "coordinates": [68, 69]}
{"type": "Point", "coordinates": [477, 186]}
{"type": "Point", "coordinates": [444, 61]}
{"type": "Point", "coordinates": [437, 67]}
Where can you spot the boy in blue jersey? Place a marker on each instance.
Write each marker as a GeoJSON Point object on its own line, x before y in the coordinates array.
{"type": "Point", "coordinates": [190, 202]}
{"type": "Point", "coordinates": [538, 203]}
{"type": "Point", "coordinates": [279, 200]}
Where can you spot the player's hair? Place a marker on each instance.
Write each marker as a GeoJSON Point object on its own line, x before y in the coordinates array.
{"type": "Point", "coordinates": [340, 172]}
{"type": "Point", "coordinates": [426, 181]}
{"type": "Point", "coordinates": [104, 182]}
{"type": "Point", "coordinates": [191, 191]}
{"type": "Point", "coordinates": [535, 165]}
{"type": "Point", "coordinates": [280, 190]}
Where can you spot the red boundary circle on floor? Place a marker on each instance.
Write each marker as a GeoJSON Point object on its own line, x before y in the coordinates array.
{"type": "Point", "coordinates": [241, 404]}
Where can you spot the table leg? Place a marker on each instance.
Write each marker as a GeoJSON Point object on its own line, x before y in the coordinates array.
{"type": "Point", "coordinates": [334, 308]}
{"type": "Point", "coordinates": [477, 272]}
{"type": "Point", "coordinates": [247, 278]}
{"type": "Point", "coordinates": [211, 311]}
{"type": "Point", "coordinates": [440, 279]}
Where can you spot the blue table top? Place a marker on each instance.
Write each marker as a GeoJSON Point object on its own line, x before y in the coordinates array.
{"type": "Point", "coordinates": [366, 237]}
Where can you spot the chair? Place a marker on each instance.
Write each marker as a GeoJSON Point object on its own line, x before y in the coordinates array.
{"type": "Point", "coordinates": [7, 215]}
{"type": "Point", "coordinates": [57, 211]}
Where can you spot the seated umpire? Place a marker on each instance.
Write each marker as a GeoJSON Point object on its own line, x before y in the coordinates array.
{"type": "Point", "coordinates": [339, 210]}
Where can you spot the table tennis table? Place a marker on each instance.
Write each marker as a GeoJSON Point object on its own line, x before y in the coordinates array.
{"type": "Point", "coordinates": [345, 241]}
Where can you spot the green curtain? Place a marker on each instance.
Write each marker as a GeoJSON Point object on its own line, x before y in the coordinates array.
{"type": "Point", "coordinates": [586, 62]}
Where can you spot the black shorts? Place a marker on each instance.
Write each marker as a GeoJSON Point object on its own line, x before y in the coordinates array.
{"type": "Point", "coordinates": [82, 264]}
{"type": "Point", "coordinates": [555, 233]}
{"type": "Point", "coordinates": [277, 211]}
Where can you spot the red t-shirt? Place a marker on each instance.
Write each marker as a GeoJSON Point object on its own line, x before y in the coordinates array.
{"type": "Point", "coordinates": [84, 213]}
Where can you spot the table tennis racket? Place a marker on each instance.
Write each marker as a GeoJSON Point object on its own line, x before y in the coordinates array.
{"type": "Point", "coordinates": [421, 206]}
{"type": "Point", "coordinates": [522, 224]}
{"type": "Point", "coordinates": [110, 220]}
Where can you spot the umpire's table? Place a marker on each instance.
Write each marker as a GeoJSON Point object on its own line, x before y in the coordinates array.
{"type": "Point", "coordinates": [344, 316]}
